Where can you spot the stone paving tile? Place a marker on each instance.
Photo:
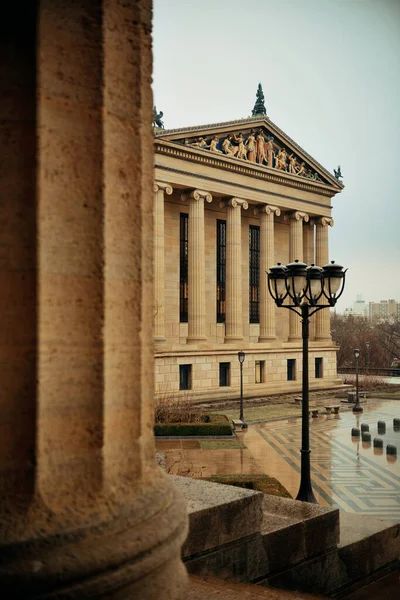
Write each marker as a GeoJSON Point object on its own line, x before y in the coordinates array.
{"type": "Point", "coordinates": [217, 589]}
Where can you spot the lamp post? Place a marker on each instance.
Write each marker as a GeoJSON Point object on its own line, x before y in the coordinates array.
{"type": "Point", "coordinates": [241, 358]}
{"type": "Point", "coordinates": [304, 288]}
{"type": "Point", "coordinates": [367, 346]}
{"type": "Point", "coordinates": [357, 408]}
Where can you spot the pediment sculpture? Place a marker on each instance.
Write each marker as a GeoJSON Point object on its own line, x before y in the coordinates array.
{"type": "Point", "coordinates": [256, 146]}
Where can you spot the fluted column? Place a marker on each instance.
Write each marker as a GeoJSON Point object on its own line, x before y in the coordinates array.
{"type": "Point", "coordinates": [196, 266]}
{"type": "Point", "coordinates": [267, 259]}
{"type": "Point", "coordinates": [322, 318]}
{"type": "Point", "coordinates": [84, 511]}
{"type": "Point", "coordinates": [160, 189]}
{"type": "Point", "coordinates": [309, 259]}
{"type": "Point", "coordinates": [296, 220]}
{"type": "Point", "coordinates": [234, 311]}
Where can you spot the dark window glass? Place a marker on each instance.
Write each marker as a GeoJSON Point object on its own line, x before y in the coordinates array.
{"type": "Point", "coordinates": [291, 369]}
{"type": "Point", "coordinates": [224, 374]}
{"type": "Point", "coordinates": [319, 368]}
{"type": "Point", "coordinates": [183, 270]}
{"type": "Point", "coordinates": [221, 270]}
{"type": "Point", "coordinates": [260, 371]}
{"type": "Point", "coordinates": [185, 377]}
{"type": "Point", "coordinates": [254, 274]}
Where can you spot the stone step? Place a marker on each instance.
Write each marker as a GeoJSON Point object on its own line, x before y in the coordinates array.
{"type": "Point", "coordinates": [211, 588]}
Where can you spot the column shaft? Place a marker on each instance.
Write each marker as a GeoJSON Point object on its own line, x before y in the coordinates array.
{"type": "Point", "coordinates": [309, 259]}
{"type": "Point", "coordinates": [295, 252]}
{"type": "Point", "coordinates": [322, 318]}
{"type": "Point", "coordinates": [234, 311]}
{"type": "Point", "coordinates": [196, 267]}
{"type": "Point", "coordinates": [267, 259]}
{"type": "Point", "coordinates": [159, 260]}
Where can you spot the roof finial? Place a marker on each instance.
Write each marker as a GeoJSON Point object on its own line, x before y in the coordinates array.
{"type": "Point", "coordinates": [259, 106]}
{"type": "Point", "coordinates": [157, 122]}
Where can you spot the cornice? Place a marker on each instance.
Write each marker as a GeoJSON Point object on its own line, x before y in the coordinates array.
{"type": "Point", "coordinates": [233, 164]}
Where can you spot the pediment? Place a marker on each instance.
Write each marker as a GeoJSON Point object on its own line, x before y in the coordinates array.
{"type": "Point", "coordinates": [257, 141]}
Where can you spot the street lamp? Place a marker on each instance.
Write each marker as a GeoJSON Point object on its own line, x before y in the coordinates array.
{"type": "Point", "coordinates": [367, 346]}
{"type": "Point", "coordinates": [357, 408]}
{"type": "Point", "coordinates": [304, 287]}
{"type": "Point", "coordinates": [241, 358]}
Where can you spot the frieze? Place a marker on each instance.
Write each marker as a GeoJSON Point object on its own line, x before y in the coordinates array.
{"type": "Point", "coordinates": [274, 175]}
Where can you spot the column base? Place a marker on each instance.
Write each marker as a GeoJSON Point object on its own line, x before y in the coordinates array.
{"type": "Point", "coordinates": [297, 340]}
{"type": "Point", "coordinates": [233, 339]}
{"type": "Point", "coordinates": [196, 340]}
{"type": "Point", "coordinates": [133, 553]}
{"type": "Point", "coordinates": [159, 339]}
{"type": "Point", "coordinates": [266, 339]}
{"type": "Point", "coordinates": [325, 339]}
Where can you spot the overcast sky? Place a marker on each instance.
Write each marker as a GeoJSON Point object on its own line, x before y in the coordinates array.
{"type": "Point", "coordinates": [330, 71]}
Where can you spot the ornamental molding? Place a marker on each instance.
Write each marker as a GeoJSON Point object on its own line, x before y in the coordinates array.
{"type": "Point", "coordinates": [161, 186]}
{"type": "Point", "coordinates": [298, 215]}
{"type": "Point", "coordinates": [197, 195]}
{"type": "Point", "coordinates": [254, 171]}
{"type": "Point", "coordinates": [324, 221]}
{"type": "Point", "coordinates": [234, 203]}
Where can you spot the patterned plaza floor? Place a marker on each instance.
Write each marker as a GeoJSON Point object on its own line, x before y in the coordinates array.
{"type": "Point", "coordinates": [346, 474]}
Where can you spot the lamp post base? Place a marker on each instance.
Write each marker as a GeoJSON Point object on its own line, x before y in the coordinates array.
{"type": "Point", "coordinates": [358, 409]}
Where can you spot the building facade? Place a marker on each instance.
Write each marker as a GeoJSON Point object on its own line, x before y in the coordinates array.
{"type": "Point", "coordinates": [384, 310]}
{"type": "Point", "coordinates": [230, 200]}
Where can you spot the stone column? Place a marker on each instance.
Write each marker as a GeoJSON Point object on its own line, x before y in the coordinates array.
{"type": "Point", "coordinates": [159, 267]}
{"type": "Point", "coordinates": [234, 311]}
{"type": "Point", "coordinates": [296, 220]}
{"type": "Point", "coordinates": [322, 318]}
{"type": "Point", "coordinates": [267, 260]}
{"type": "Point", "coordinates": [196, 266]}
{"type": "Point", "coordinates": [84, 511]}
{"type": "Point", "coordinates": [309, 259]}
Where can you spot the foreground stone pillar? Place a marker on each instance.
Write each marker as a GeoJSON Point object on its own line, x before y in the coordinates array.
{"type": "Point", "coordinates": [84, 512]}
{"type": "Point", "coordinates": [159, 261]}
{"type": "Point", "coordinates": [234, 311]}
{"type": "Point", "coordinates": [196, 266]}
{"type": "Point", "coordinates": [322, 318]}
{"type": "Point", "coordinates": [267, 260]}
{"type": "Point", "coordinates": [296, 220]}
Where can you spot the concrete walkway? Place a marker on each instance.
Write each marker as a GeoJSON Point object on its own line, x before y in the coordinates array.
{"type": "Point", "coordinates": [211, 588]}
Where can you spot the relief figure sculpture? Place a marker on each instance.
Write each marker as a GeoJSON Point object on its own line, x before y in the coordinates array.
{"type": "Point", "coordinates": [260, 147]}
{"type": "Point", "coordinates": [201, 143]}
{"type": "Point", "coordinates": [292, 164]}
{"type": "Point", "coordinates": [241, 152]}
{"type": "Point", "coordinates": [301, 170]}
{"type": "Point", "coordinates": [269, 150]}
{"type": "Point", "coordinates": [281, 160]}
{"type": "Point", "coordinates": [213, 145]}
{"type": "Point", "coordinates": [251, 147]}
{"type": "Point", "coordinates": [228, 147]}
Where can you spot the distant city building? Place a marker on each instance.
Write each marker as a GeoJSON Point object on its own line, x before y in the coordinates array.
{"type": "Point", "coordinates": [384, 310]}
{"type": "Point", "coordinates": [359, 309]}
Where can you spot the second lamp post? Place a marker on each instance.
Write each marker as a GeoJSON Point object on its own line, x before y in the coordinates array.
{"type": "Point", "coordinates": [305, 288]}
{"type": "Point", "coordinates": [241, 357]}
{"type": "Point", "coordinates": [357, 407]}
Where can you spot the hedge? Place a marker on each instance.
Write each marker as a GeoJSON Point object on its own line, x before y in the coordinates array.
{"type": "Point", "coordinates": [261, 483]}
{"type": "Point", "coordinates": [217, 425]}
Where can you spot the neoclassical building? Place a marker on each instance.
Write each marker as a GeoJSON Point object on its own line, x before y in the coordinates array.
{"type": "Point", "coordinates": [230, 200]}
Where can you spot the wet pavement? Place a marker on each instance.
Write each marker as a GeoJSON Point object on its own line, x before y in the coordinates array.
{"type": "Point", "coordinates": [346, 473]}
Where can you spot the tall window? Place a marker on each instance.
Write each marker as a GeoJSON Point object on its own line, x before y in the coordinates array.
{"type": "Point", "coordinates": [291, 369]}
{"type": "Point", "coordinates": [183, 270]}
{"type": "Point", "coordinates": [319, 368]}
{"type": "Point", "coordinates": [221, 270]}
{"type": "Point", "coordinates": [259, 371]}
{"type": "Point", "coordinates": [224, 374]}
{"type": "Point", "coordinates": [254, 274]}
{"type": "Point", "coordinates": [185, 377]}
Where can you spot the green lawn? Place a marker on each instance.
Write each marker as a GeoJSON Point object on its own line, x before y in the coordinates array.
{"type": "Point", "coordinates": [264, 413]}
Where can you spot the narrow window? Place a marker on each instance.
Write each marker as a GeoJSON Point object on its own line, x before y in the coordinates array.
{"type": "Point", "coordinates": [183, 269]}
{"type": "Point", "coordinates": [221, 270]}
{"type": "Point", "coordinates": [260, 371]}
{"type": "Point", "coordinates": [291, 369]}
{"type": "Point", "coordinates": [185, 377]}
{"type": "Point", "coordinates": [319, 368]}
{"type": "Point", "coordinates": [224, 374]}
{"type": "Point", "coordinates": [254, 274]}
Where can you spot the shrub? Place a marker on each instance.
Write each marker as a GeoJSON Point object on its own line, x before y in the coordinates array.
{"type": "Point", "coordinates": [171, 408]}
{"type": "Point", "coordinates": [214, 425]}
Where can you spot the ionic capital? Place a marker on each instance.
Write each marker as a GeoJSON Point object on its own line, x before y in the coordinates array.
{"type": "Point", "coordinates": [234, 203]}
{"type": "Point", "coordinates": [197, 195]}
{"type": "Point", "coordinates": [299, 216]}
{"type": "Point", "coordinates": [160, 185]}
{"type": "Point", "coordinates": [325, 221]}
{"type": "Point", "coordinates": [267, 209]}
